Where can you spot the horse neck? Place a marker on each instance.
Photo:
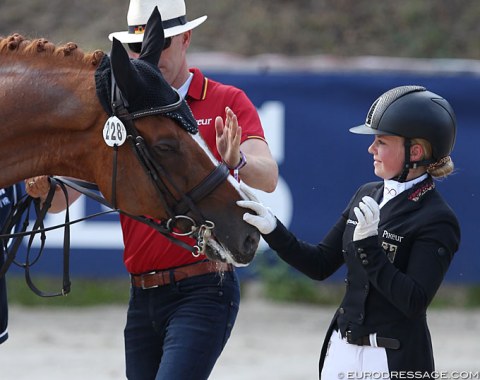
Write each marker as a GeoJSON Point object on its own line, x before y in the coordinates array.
{"type": "Point", "coordinates": [48, 114]}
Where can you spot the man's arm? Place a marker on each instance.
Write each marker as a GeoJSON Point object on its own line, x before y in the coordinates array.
{"type": "Point", "coordinates": [261, 170]}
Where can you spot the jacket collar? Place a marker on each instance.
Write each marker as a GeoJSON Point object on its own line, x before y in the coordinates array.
{"type": "Point", "coordinates": [392, 188]}
{"type": "Point", "coordinates": [408, 200]}
{"type": "Point", "coordinates": [404, 202]}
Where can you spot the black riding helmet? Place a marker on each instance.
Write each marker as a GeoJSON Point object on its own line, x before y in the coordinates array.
{"type": "Point", "coordinates": [413, 112]}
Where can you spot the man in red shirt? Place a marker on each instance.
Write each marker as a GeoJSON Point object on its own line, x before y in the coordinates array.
{"type": "Point", "coordinates": [176, 329]}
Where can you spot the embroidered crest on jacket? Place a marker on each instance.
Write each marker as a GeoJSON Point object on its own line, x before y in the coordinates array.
{"type": "Point", "coordinates": [421, 191]}
{"type": "Point", "coordinates": [390, 250]}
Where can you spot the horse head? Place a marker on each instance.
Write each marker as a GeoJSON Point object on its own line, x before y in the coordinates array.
{"type": "Point", "coordinates": [183, 183]}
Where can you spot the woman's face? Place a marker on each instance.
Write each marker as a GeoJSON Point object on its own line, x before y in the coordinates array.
{"type": "Point", "coordinates": [388, 155]}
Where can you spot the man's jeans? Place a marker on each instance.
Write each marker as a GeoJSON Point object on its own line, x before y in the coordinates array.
{"type": "Point", "coordinates": [177, 331]}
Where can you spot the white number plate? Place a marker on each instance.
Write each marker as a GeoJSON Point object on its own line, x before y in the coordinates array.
{"type": "Point", "coordinates": [114, 132]}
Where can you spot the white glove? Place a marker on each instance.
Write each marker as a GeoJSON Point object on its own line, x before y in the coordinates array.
{"type": "Point", "coordinates": [247, 192]}
{"type": "Point", "coordinates": [265, 221]}
{"type": "Point", "coordinates": [368, 216]}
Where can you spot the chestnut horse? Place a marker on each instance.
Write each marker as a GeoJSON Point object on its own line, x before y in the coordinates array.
{"type": "Point", "coordinates": [60, 109]}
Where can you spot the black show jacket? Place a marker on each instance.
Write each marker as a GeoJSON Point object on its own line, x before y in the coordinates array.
{"type": "Point", "coordinates": [391, 278]}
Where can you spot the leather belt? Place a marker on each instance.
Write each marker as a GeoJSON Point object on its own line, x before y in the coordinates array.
{"type": "Point", "coordinates": [155, 279]}
{"type": "Point", "coordinates": [391, 343]}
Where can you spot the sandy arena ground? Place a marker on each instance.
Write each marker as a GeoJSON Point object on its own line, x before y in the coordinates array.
{"type": "Point", "coordinates": [269, 342]}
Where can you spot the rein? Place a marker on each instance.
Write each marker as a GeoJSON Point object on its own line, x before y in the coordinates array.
{"type": "Point", "coordinates": [23, 207]}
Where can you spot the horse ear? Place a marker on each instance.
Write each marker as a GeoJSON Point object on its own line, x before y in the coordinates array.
{"type": "Point", "coordinates": [123, 70]}
{"type": "Point", "coordinates": [153, 39]}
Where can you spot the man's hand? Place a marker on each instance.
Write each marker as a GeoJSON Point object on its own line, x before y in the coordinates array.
{"type": "Point", "coordinates": [228, 138]}
{"type": "Point", "coordinates": [37, 187]}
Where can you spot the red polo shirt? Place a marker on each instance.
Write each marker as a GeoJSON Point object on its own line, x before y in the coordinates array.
{"type": "Point", "coordinates": [146, 249]}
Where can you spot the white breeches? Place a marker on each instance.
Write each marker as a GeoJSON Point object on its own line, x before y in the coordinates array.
{"type": "Point", "coordinates": [349, 361]}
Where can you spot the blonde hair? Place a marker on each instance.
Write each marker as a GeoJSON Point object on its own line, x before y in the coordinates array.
{"type": "Point", "coordinates": [439, 169]}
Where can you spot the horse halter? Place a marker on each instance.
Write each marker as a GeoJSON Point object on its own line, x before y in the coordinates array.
{"type": "Point", "coordinates": [200, 228]}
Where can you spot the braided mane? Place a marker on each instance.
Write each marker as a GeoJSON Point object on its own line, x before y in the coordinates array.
{"type": "Point", "coordinates": [18, 44]}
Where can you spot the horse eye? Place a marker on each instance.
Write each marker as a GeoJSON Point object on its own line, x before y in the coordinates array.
{"type": "Point", "coordinates": [165, 146]}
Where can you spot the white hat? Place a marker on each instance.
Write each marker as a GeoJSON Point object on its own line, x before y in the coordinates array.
{"type": "Point", "coordinates": [173, 14]}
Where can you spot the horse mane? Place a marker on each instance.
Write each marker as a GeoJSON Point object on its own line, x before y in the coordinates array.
{"type": "Point", "coordinates": [17, 43]}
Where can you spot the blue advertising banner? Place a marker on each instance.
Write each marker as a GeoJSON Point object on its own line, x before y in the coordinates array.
{"type": "Point", "coordinates": [306, 117]}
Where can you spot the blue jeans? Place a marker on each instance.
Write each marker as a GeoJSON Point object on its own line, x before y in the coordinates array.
{"type": "Point", "coordinates": [177, 331]}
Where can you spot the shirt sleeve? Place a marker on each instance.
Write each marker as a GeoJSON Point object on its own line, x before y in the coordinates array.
{"type": "Point", "coordinates": [247, 116]}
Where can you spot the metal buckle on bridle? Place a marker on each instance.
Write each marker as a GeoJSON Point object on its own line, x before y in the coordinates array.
{"type": "Point", "coordinates": [173, 220]}
{"type": "Point", "coordinates": [202, 233]}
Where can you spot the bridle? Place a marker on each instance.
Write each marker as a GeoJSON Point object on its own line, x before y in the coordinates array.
{"type": "Point", "coordinates": [176, 209]}
{"type": "Point", "coordinates": [162, 181]}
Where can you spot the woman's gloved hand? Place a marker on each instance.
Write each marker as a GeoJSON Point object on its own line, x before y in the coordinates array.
{"type": "Point", "coordinates": [368, 216]}
{"type": "Point", "coordinates": [264, 221]}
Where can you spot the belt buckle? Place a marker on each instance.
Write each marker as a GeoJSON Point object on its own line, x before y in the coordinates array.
{"type": "Point", "coordinates": [142, 281]}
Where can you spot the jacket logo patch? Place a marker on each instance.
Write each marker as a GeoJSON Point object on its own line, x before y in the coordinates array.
{"type": "Point", "coordinates": [390, 236]}
{"type": "Point", "coordinates": [204, 121]}
{"type": "Point", "coordinates": [390, 250]}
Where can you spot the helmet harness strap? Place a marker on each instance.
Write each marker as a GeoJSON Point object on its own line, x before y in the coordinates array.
{"type": "Point", "coordinates": [408, 164]}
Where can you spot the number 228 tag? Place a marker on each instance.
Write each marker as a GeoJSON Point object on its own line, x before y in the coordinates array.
{"type": "Point", "coordinates": [114, 132]}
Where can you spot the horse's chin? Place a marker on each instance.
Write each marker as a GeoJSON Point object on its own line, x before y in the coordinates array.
{"type": "Point", "coordinates": [216, 251]}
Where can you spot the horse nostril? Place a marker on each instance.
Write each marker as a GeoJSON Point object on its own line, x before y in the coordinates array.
{"type": "Point", "coordinates": [250, 244]}
{"type": "Point", "coordinates": [248, 248]}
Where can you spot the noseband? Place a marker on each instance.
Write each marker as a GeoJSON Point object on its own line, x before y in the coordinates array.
{"type": "Point", "coordinates": [162, 181]}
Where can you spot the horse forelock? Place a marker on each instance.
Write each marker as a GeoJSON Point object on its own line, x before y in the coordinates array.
{"type": "Point", "coordinates": [18, 44]}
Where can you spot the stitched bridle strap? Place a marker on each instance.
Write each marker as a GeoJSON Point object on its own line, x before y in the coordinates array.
{"type": "Point", "coordinates": [209, 183]}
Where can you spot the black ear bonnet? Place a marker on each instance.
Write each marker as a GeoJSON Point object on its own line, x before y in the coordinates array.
{"type": "Point", "coordinates": [155, 92]}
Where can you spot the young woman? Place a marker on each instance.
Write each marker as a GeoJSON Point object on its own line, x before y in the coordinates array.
{"type": "Point", "coordinates": [397, 238]}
